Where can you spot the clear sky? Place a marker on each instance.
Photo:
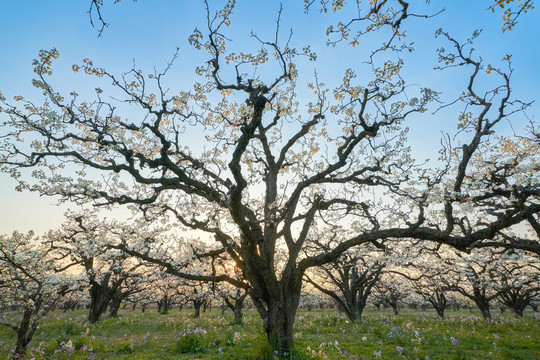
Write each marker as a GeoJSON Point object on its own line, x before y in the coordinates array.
{"type": "Point", "coordinates": [149, 31]}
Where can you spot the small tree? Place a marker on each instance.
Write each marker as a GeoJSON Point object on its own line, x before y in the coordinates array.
{"type": "Point", "coordinates": [82, 244]}
{"type": "Point", "coordinates": [519, 278]}
{"type": "Point", "coordinates": [350, 279]}
{"type": "Point", "coordinates": [474, 277]}
{"type": "Point", "coordinates": [28, 285]}
{"type": "Point", "coordinates": [391, 290]}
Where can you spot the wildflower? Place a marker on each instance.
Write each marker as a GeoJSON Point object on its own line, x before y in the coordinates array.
{"type": "Point", "coordinates": [455, 342]}
{"type": "Point", "coordinates": [399, 350]}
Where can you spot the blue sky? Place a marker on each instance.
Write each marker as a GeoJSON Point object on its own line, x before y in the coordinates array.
{"type": "Point", "coordinates": [148, 32]}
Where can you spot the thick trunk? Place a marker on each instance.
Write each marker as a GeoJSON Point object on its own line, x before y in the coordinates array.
{"type": "Point", "coordinates": [280, 324]}
{"type": "Point", "coordinates": [197, 304]}
{"type": "Point", "coordinates": [518, 311]}
{"type": "Point", "coordinates": [163, 305]}
{"type": "Point", "coordinates": [360, 306]}
{"type": "Point", "coordinates": [98, 303]}
{"type": "Point", "coordinates": [483, 305]}
{"type": "Point", "coordinates": [24, 335]}
{"type": "Point", "coordinates": [278, 313]}
{"type": "Point", "coordinates": [115, 304]}
{"type": "Point", "coordinates": [239, 311]}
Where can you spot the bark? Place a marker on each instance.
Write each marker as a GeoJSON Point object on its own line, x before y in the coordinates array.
{"type": "Point", "coordinates": [164, 304]}
{"type": "Point", "coordinates": [438, 300]}
{"type": "Point", "coordinates": [115, 303]}
{"type": "Point", "coordinates": [483, 305]}
{"type": "Point", "coordinates": [24, 334]}
{"type": "Point", "coordinates": [277, 306]}
{"type": "Point", "coordinates": [99, 299]}
{"type": "Point", "coordinates": [197, 304]}
{"type": "Point", "coordinates": [360, 306]}
{"type": "Point", "coordinates": [236, 304]}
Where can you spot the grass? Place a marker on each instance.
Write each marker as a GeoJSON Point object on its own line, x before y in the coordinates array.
{"type": "Point", "coordinates": [319, 334]}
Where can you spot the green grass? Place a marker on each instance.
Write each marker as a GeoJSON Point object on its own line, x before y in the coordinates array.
{"type": "Point", "coordinates": [414, 334]}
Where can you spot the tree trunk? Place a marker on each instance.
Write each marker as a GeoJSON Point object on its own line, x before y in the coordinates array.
{"type": "Point", "coordinates": [24, 334]}
{"type": "Point", "coordinates": [163, 305]}
{"type": "Point", "coordinates": [360, 306]}
{"type": "Point", "coordinates": [116, 301]}
{"type": "Point", "coordinates": [197, 304]}
{"type": "Point", "coordinates": [280, 323]}
{"type": "Point", "coordinates": [483, 305]}
{"type": "Point", "coordinates": [239, 316]}
{"type": "Point", "coordinates": [518, 312]}
{"type": "Point", "coordinates": [98, 303]}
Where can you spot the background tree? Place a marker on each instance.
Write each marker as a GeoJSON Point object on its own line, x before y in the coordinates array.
{"type": "Point", "coordinates": [518, 277]}
{"type": "Point", "coordinates": [83, 244]}
{"type": "Point", "coordinates": [474, 277]}
{"type": "Point", "coordinates": [350, 279]}
{"type": "Point", "coordinates": [391, 290]}
{"type": "Point", "coordinates": [28, 285]}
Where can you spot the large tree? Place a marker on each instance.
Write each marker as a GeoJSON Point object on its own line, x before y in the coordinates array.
{"type": "Point", "coordinates": [275, 163]}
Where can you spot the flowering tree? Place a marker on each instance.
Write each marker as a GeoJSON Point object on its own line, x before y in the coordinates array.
{"type": "Point", "coordinates": [519, 278]}
{"type": "Point", "coordinates": [350, 279]}
{"type": "Point", "coordinates": [83, 244]}
{"type": "Point", "coordinates": [473, 276]}
{"type": "Point", "coordinates": [390, 291]}
{"type": "Point", "coordinates": [28, 285]}
{"type": "Point", "coordinates": [165, 289]}
{"type": "Point", "coordinates": [272, 167]}
{"type": "Point", "coordinates": [427, 269]}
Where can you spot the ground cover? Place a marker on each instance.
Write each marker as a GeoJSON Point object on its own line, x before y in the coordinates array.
{"type": "Point", "coordinates": [319, 334]}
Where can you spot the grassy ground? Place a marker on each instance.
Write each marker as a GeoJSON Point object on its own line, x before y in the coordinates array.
{"type": "Point", "coordinates": [320, 334]}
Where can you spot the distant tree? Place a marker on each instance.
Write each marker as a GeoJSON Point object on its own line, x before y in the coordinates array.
{"type": "Point", "coordinates": [519, 278]}
{"type": "Point", "coordinates": [82, 244]}
{"type": "Point", "coordinates": [427, 267]}
{"type": "Point", "coordinates": [474, 277]}
{"type": "Point", "coordinates": [391, 290]}
{"type": "Point", "coordinates": [350, 279]}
